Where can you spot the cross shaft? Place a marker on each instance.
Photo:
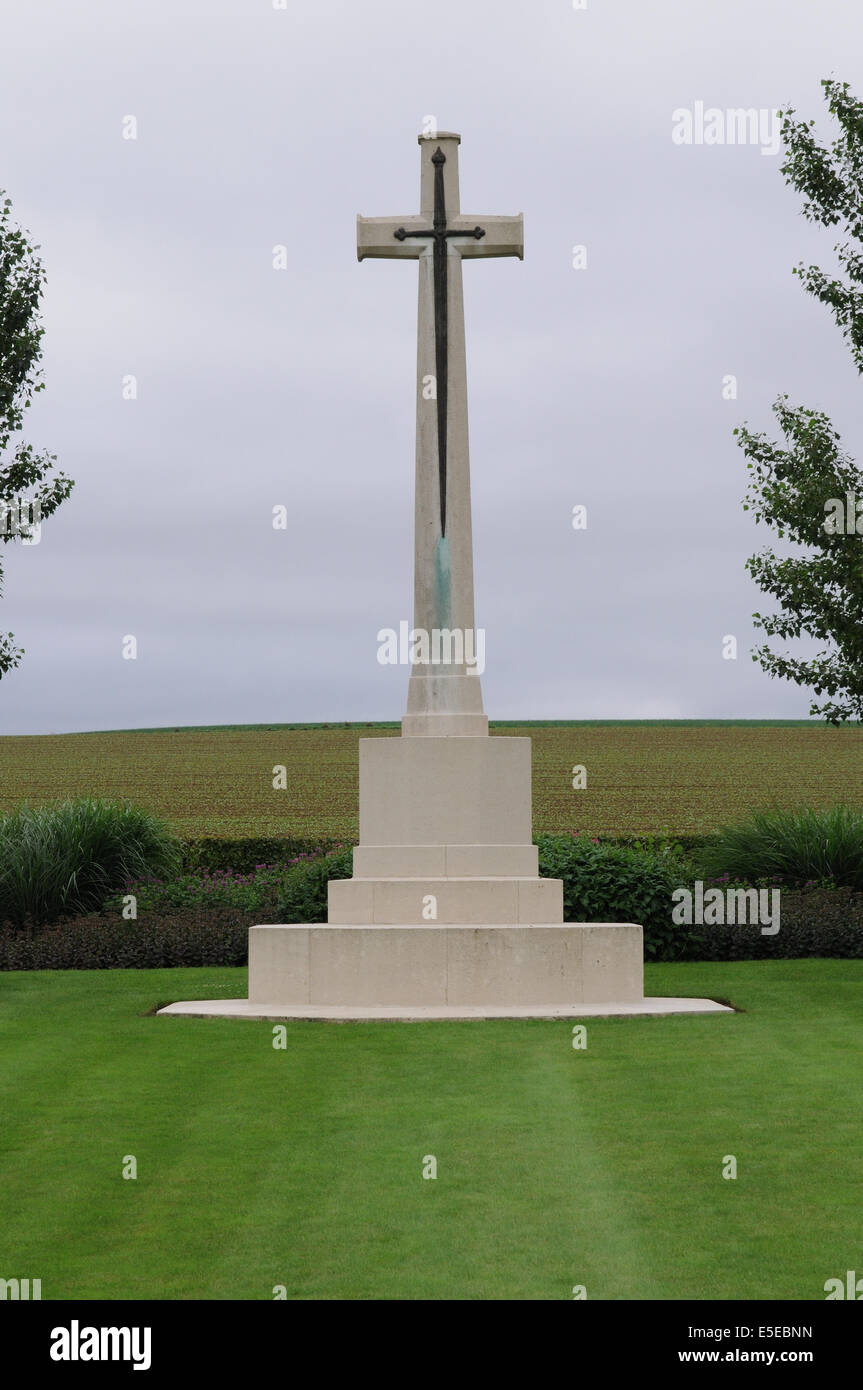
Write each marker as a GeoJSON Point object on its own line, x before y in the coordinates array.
{"type": "Point", "coordinates": [442, 700]}
{"type": "Point", "coordinates": [439, 231]}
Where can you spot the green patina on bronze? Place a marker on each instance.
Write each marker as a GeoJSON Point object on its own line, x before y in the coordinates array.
{"type": "Point", "coordinates": [443, 591]}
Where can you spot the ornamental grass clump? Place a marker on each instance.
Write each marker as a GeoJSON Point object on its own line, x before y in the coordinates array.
{"type": "Point", "coordinates": [68, 858]}
{"type": "Point", "coordinates": [794, 848]}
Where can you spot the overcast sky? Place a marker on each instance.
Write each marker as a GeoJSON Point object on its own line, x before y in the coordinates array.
{"type": "Point", "coordinates": [259, 126]}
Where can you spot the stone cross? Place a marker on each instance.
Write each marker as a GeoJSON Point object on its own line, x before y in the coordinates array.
{"type": "Point", "coordinates": [445, 915]}
{"type": "Point", "coordinates": [444, 696]}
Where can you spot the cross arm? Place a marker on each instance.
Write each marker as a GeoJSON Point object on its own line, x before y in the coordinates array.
{"type": "Point", "coordinates": [504, 236]}
{"type": "Point", "coordinates": [376, 236]}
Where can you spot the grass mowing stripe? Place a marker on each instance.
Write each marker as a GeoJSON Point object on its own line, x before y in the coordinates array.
{"type": "Point", "coordinates": [555, 1167]}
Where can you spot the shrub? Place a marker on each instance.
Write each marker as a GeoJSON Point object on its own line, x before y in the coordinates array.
{"type": "Point", "coordinates": [305, 896]}
{"type": "Point", "coordinates": [815, 921]}
{"type": "Point", "coordinates": [66, 858]}
{"type": "Point", "coordinates": [601, 883]}
{"type": "Point", "coordinates": [616, 883]}
{"type": "Point", "coordinates": [257, 891]}
{"type": "Point", "coordinates": [103, 941]}
{"type": "Point", "coordinates": [173, 933]}
{"type": "Point", "coordinates": [795, 847]}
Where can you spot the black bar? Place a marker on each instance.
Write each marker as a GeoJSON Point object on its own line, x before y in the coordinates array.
{"type": "Point", "coordinates": [235, 1338]}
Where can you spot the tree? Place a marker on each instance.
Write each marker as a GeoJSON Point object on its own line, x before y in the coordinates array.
{"type": "Point", "coordinates": [807, 488]}
{"type": "Point", "coordinates": [28, 491]}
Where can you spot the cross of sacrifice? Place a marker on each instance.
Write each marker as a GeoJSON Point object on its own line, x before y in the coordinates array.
{"type": "Point", "coordinates": [440, 237]}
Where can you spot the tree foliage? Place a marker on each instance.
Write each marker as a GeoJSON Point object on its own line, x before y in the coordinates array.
{"type": "Point", "coordinates": [26, 475]}
{"type": "Point", "coordinates": [797, 486]}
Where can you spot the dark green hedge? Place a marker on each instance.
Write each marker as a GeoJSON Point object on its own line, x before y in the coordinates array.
{"type": "Point", "coordinates": [102, 942]}
{"type": "Point", "coordinates": [243, 855]}
{"type": "Point", "coordinates": [210, 854]}
{"type": "Point", "coordinates": [603, 882]}
{"type": "Point", "coordinates": [815, 922]}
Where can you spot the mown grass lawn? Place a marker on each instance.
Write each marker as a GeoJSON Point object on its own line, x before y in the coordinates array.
{"type": "Point", "coordinates": [556, 1167]}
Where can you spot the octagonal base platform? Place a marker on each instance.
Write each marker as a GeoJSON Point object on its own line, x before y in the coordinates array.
{"type": "Point", "coordinates": [347, 1013]}
{"type": "Point", "coordinates": [547, 970]}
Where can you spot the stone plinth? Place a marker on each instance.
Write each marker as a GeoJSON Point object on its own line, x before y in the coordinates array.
{"type": "Point", "coordinates": [450, 901]}
{"type": "Point", "coordinates": [415, 973]}
{"type": "Point", "coordinates": [445, 837]}
{"type": "Point", "coordinates": [445, 791]}
{"type": "Point", "coordinates": [537, 966]}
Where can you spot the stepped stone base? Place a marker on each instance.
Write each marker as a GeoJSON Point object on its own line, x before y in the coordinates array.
{"type": "Point", "coordinates": [470, 966]}
{"type": "Point", "coordinates": [447, 901]}
{"type": "Point", "coordinates": [445, 837]}
{"type": "Point", "coordinates": [445, 916]}
{"type": "Point", "coordinates": [412, 973]}
{"type": "Point", "coordinates": [446, 861]}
